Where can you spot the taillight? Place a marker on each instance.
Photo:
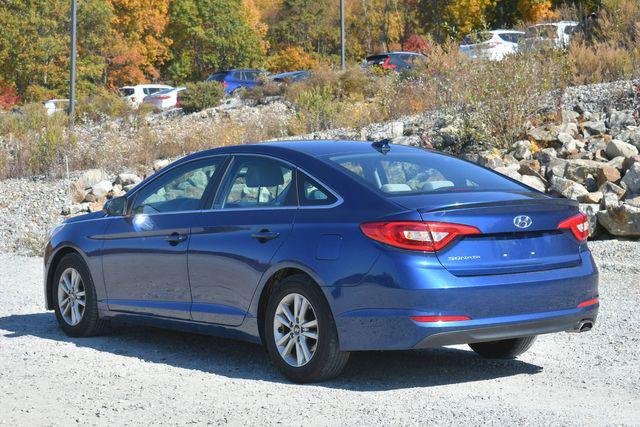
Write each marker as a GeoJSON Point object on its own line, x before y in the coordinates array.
{"type": "Point", "coordinates": [163, 97]}
{"type": "Point", "coordinates": [225, 84]}
{"type": "Point", "coordinates": [418, 236]}
{"type": "Point", "coordinates": [579, 226]}
{"type": "Point", "coordinates": [439, 319]}
{"type": "Point", "coordinates": [589, 303]}
{"type": "Point", "coordinates": [387, 65]}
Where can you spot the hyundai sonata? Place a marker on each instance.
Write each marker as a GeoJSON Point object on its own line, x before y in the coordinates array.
{"type": "Point", "coordinates": [320, 248]}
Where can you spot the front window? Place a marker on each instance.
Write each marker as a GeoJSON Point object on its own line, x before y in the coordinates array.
{"type": "Point", "coordinates": [421, 172]}
{"type": "Point", "coordinates": [181, 189]}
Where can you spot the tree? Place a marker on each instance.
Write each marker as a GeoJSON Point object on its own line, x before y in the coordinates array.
{"type": "Point", "coordinates": [34, 45]}
{"type": "Point", "coordinates": [210, 35]}
{"type": "Point", "coordinates": [139, 45]}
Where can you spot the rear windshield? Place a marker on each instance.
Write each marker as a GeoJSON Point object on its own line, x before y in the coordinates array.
{"type": "Point", "coordinates": [480, 37]}
{"type": "Point", "coordinates": [126, 91]}
{"type": "Point", "coordinates": [421, 172]}
{"type": "Point", "coordinates": [217, 77]}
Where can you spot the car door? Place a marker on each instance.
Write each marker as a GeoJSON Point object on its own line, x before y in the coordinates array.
{"type": "Point", "coordinates": [145, 252]}
{"type": "Point", "coordinates": [233, 243]}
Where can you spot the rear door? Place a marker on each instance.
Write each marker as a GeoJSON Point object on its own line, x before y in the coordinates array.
{"type": "Point", "coordinates": [233, 243]}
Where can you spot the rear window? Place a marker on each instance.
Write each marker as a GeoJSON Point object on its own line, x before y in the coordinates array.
{"type": "Point", "coordinates": [217, 77]}
{"type": "Point", "coordinates": [376, 59]}
{"type": "Point", "coordinates": [126, 91]}
{"type": "Point", "coordinates": [511, 37]}
{"type": "Point", "coordinates": [480, 37]}
{"type": "Point", "coordinates": [421, 172]}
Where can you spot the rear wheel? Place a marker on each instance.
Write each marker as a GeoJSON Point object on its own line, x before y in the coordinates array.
{"type": "Point", "coordinates": [503, 349]}
{"type": "Point", "coordinates": [300, 332]}
{"type": "Point", "coordinates": [76, 304]}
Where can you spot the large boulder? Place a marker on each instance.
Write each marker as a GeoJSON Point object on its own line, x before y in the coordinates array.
{"type": "Point", "coordinates": [490, 160]}
{"type": "Point", "coordinates": [101, 189]}
{"type": "Point", "coordinates": [534, 182]}
{"type": "Point", "coordinates": [607, 174]}
{"type": "Point", "coordinates": [522, 150]}
{"type": "Point", "coordinates": [510, 170]}
{"type": "Point", "coordinates": [568, 188]}
{"type": "Point", "coordinates": [595, 127]}
{"type": "Point", "coordinates": [556, 167]}
{"type": "Point", "coordinates": [622, 220]}
{"type": "Point", "coordinates": [125, 179]}
{"type": "Point", "coordinates": [621, 119]}
{"type": "Point", "coordinates": [631, 179]}
{"type": "Point", "coordinates": [620, 148]}
{"type": "Point", "coordinates": [584, 172]}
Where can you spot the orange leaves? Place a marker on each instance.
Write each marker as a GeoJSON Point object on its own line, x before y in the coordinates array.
{"type": "Point", "coordinates": [536, 10]}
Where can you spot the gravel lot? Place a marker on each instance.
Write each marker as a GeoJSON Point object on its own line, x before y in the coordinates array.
{"type": "Point", "coordinates": [149, 376]}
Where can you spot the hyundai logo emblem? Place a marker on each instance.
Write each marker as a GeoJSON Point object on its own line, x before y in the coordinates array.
{"type": "Point", "coordinates": [522, 221]}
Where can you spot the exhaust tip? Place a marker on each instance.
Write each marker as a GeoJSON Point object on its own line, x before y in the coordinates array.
{"type": "Point", "coordinates": [582, 326]}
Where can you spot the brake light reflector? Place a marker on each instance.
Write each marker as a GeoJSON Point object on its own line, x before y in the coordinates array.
{"type": "Point", "coordinates": [414, 235]}
{"type": "Point", "coordinates": [587, 303]}
{"type": "Point", "coordinates": [579, 226]}
{"type": "Point", "coordinates": [436, 319]}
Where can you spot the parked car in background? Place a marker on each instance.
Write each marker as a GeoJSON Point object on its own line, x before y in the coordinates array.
{"type": "Point", "coordinates": [550, 35]}
{"type": "Point", "coordinates": [234, 79]}
{"type": "Point", "coordinates": [290, 76]}
{"type": "Point", "coordinates": [136, 94]}
{"type": "Point", "coordinates": [165, 99]}
{"type": "Point", "coordinates": [492, 45]}
{"type": "Point", "coordinates": [56, 105]}
{"type": "Point", "coordinates": [396, 61]}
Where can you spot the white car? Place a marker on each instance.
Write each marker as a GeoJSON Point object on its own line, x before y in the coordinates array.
{"type": "Point", "coordinates": [136, 94]}
{"type": "Point", "coordinates": [165, 99]}
{"type": "Point", "coordinates": [493, 45]}
{"type": "Point", "coordinates": [56, 105]}
{"type": "Point", "coordinates": [551, 34]}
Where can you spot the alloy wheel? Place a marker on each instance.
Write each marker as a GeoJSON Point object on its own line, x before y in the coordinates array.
{"type": "Point", "coordinates": [72, 298]}
{"type": "Point", "coordinates": [295, 330]}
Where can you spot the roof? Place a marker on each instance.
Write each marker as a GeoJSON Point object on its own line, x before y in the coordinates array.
{"type": "Point", "coordinates": [395, 53]}
{"type": "Point", "coordinates": [313, 148]}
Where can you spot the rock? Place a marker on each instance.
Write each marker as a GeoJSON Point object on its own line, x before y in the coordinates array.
{"type": "Point", "coordinates": [522, 150]}
{"type": "Point", "coordinates": [125, 179]}
{"type": "Point", "coordinates": [91, 177]}
{"type": "Point", "coordinates": [583, 172]}
{"type": "Point", "coordinates": [609, 200]}
{"type": "Point", "coordinates": [72, 209]}
{"type": "Point", "coordinates": [620, 119]}
{"type": "Point", "coordinates": [594, 197]}
{"type": "Point", "coordinates": [628, 162]}
{"type": "Point", "coordinates": [534, 182]}
{"type": "Point", "coordinates": [595, 144]}
{"type": "Point", "coordinates": [595, 127]}
{"type": "Point", "coordinates": [160, 164]}
{"type": "Point", "coordinates": [412, 140]}
{"type": "Point", "coordinates": [617, 163]}
{"type": "Point", "coordinates": [620, 148]}
{"type": "Point", "coordinates": [570, 128]}
{"type": "Point", "coordinates": [556, 167]}
{"type": "Point", "coordinates": [101, 189]}
{"type": "Point", "coordinates": [634, 201]}
{"type": "Point", "coordinates": [567, 188]}
{"type": "Point", "coordinates": [565, 138]}
{"type": "Point", "coordinates": [569, 146]}
{"type": "Point", "coordinates": [632, 136]}
{"type": "Point", "coordinates": [607, 174]}
{"type": "Point", "coordinates": [569, 116]}
{"type": "Point", "coordinates": [128, 187]}
{"type": "Point", "coordinates": [631, 179]}
{"type": "Point", "coordinates": [611, 188]}
{"type": "Point", "coordinates": [622, 220]}
{"type": "Point", "coordinates": [117, 190]}
{"type": "Point", "coordinates": [545, 155]}
{"type": "Point", "coordinates": [591, 211]}
{"type": "Point", "coordinates": [511, 171]}
{"type": "Point", "coordinates": [490, 160]}
{"type": "Point", "coordinates": [388, 130]}
{"type": "Point", "coordinates": [530, 167]}
{"type": "Point", "coordinates": [541, 135]}
{"type": "Point", "coordinates": [508, 159]}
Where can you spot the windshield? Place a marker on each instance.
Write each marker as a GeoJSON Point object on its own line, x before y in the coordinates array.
{"type": "Point", "coordinates": [421, 172]}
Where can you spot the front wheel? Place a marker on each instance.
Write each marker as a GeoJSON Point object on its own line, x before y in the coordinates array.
{"type": "Point", "coordinates": [300, 332]}
{"type": "Point", "coordinates": [503, 349]}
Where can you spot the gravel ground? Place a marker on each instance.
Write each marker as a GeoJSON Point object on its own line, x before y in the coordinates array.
{"type": "Point", "coordinates": [149, 376]}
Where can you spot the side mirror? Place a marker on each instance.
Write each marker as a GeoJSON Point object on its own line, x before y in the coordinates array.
{"type": "Point", "coordinates": [116, 206]}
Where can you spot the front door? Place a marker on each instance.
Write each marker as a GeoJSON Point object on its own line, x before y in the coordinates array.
{"type": "Point", "coordinates": [145, 252]}
{"type": "Point", "coordinates": [233, 243]}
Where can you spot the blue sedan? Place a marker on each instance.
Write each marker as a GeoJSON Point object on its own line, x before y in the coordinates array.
{"type": "Point", "coordinates": [320, 248]}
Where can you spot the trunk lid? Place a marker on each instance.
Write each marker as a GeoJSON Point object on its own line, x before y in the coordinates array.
{"type": "Point", "coordinates": [503, 247]}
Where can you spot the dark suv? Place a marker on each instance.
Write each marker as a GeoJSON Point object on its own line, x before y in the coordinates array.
{"type": "Point", "coordinates": [397, 61]}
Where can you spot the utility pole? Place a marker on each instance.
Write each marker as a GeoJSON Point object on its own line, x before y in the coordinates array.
{"type": "Point", "coordinates": [72, 72]}
{"type": "Point", "coordinates": [342, 63]}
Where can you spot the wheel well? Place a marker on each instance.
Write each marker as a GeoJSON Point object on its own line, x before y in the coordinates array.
{"type": "Point", "coordinates": [268, 288]}
{"type": "Point", "coordinates": [52, 270]}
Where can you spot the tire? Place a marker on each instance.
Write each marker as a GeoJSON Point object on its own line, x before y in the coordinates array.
{"type": "Point", "coordinates": [326, 361]}
{"type": "Point", "coordinates": [503, 349]}
{"type": "Point", "coordinates": [90, 323]}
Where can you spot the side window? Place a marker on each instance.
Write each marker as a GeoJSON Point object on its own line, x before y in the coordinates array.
{"type": "Point", "coordinates": [181, 189]}
{"type": "Point", "coordinates": [238, 75]}
{"type": "Point", "coordinates": [258, 182]}
{"type": "Point", "coordinates": [312, 193]}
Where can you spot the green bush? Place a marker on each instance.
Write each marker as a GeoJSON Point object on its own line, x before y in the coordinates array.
{"type": "Point", "coordinates": [201, 95]}
{"type": "Point", "coordinates": [101, 106]}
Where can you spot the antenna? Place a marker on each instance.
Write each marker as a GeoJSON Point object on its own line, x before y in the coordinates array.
{"type": "Point", "coordinates": [382, 146]}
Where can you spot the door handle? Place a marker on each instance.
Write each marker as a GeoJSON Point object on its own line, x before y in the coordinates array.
{"type": "Point", "coordinates": [265, 235]}
{"type": "Point", "coordinates": [175, 238]}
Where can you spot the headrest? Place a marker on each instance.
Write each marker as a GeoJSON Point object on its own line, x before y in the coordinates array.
{"type": "Point", "coordinates": [263, 174]}
{"type": "Point", "coordinates": [395, 188]}
{"type": "Point", "coordinates": [435, 185]}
